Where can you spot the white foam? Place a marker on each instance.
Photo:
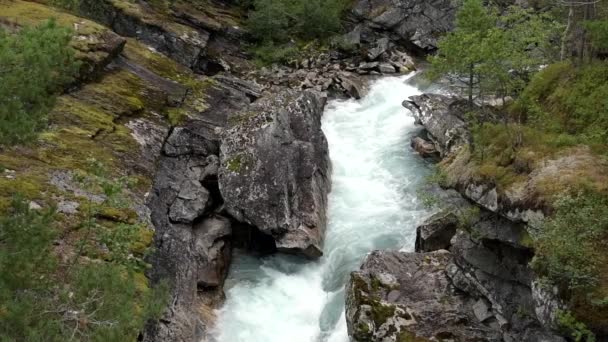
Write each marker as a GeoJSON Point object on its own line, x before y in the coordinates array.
{"type": "Point", "coordinates": [372, 206]}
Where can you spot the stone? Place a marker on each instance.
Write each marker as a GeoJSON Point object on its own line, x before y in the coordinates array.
{"type": "Point", "coordinates": [67, 207]}
{"type": "Point", "coordinates": [426, 306]}
{"type": "Point", "coordinates": [353, 38]}
{"type": "Point", "coordinates": [367, 66]}
{"type": "Point", "coordinates": [186, 141]}
{"type": "Point", "coordinates": [547, 304]}
{"type": "Point", "coordinates": [184, 44]}
{"type": "Point", "coordinates": [34, 206]}
{"type": "Point", "coordinates": [381, 47]}
{"type": "Point", "coordinates": [443, 117]}
{"type": "Point", "coordinates": [353, 85]}
{"type": "Point", "coordinates": [150, 137]}
{"type": "Point", "coordinates": [418, 22]}
{"type": "Point", "coordinates": [191, 203]}
{"type": "Point", "coordinates": [425, 148]}
{"type": "Point", "coordinates": [436, 232]}
{"type": "Point", "coordinates": [482, 311]}
{"type": "Point", "coordinates": [212, 246]}
{"type": "Point", "coordinates": [386, 68]}
{"type": "Point", "coordinates": [275, 170]}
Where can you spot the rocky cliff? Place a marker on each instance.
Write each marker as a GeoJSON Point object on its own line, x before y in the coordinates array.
{"type": "Point", "coordinates": [474, 251]}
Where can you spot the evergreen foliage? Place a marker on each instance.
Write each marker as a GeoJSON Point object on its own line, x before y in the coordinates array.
{"type": "Point", "coordinates": [492, 54]}
{"type": "Point", "coordinates": [103, 297]}
{"type": "Point", "coordinates": [34, 65]}
{"type": "Point", "coordinates": [564, 98]}
{"type": "Point", "coordinates": [280, 20]}
{"type": "Point", "coordinates": [279, 25]}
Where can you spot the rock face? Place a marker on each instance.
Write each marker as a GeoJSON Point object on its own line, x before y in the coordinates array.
{"type": "Point", "coordinates": [443, 117]}
{"type": "Point", "coordinates": [275, 170]}
{"type": "Point", "coordinates": [416, 22]}
{"type": "Point", "coordinates": [481, 290]}
{"type": "Point", "coordinates": [194, 236]}
{"type": "Point", "coordinates": [436, 232]}
{"type": "Point", "coordinates": [409, 297]}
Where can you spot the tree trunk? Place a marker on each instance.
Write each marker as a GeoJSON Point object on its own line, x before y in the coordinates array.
{"type": "Point", "coordinates": [471, 83]}
{"type": "Point", "coordinates": [567, 35]}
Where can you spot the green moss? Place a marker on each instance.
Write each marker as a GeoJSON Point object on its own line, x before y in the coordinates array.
{"type": "Point", "coordinates": [121, 215]}
{"type": "Point", "coordinates": [144, 241]}
{"type": "Point", "coordinates": [176, 116]}
{"type": "Point", "coordinates": [236, 163]}
{"type": "Point", "coordinates": [381, 312]}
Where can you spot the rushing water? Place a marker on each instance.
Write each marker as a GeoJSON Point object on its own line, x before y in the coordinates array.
{"type": "Point", "coordinates": [372, 205]}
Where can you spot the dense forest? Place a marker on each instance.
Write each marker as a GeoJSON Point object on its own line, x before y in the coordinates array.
{"type": "Point", "coordinates": [536, 80]}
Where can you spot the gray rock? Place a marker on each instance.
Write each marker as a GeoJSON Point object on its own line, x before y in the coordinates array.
{"type": "Point", "coordinates": [67, 207]}
{"type": "Point", "coordinates": [436, 232]}
{"type": "Point", "coordinates": [425, 148]}
{"type": "Point", "coordinates": [426, 307]}
{"type": "Point", "coordinates": [353, 38]}
{"type": "Point", "coordinates": [212, 246]}
{"type": "Point", "coordinates": [34, 206]}
{"type": "Point", "coordinates": [443, 117]}
{"type": "Point", "coordinates": [547, 304]}
{"type": "Point", "coordinates": [481, 309]}
{"type": "Point", "coordinates": [191, 203]}
{"type": "Point", "coordinates": [182, 43]}
{"type": "Point", "coordinates": [275, 170]}
{"type": "Point", "coordinates": [353, 85]}
{"type": "Point", "coordinates": [367, 66]}
{"type": "Point", "coordinates": [187, 141]}
{"type": "Point", "coordinates": [150, 137]}
{"type": "Point", "coordinates": [416, 21]}
{"type": "Point", "coordinates": [381, 47]}
{"type": "Point", "coordinates": [386, 68]}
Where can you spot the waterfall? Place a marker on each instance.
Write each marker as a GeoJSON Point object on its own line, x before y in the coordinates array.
{"type": "Point", "coordinates": [373, 205]}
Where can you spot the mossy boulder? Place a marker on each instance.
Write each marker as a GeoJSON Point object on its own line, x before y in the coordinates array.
{"type": "Point", "coordinates": [408, 297]}
{"type": "Point", "coordinates": [275, 170]}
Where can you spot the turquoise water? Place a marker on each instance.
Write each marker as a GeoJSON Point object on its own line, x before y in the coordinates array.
{"type": "Point", "coordinates": [373, 205]}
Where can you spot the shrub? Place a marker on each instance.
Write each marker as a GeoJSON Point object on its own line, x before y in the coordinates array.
{"type": "Point", "coordinates": [269, 53]}
{"type": "Point", "coordinates": [34, 65]}
{"type": "Point", "coordinates": [104, 297]}
{"type": "Point", "coordinates": [565, 99]}
{"type": "Point", "coordinates": [279, 20]}
{"type": "Point", "coordinates": [569, 325]}
{"type": "Point", "coordinates": [570, 244]}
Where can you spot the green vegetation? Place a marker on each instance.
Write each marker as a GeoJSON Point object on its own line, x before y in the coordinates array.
{"type": "Point", "coordinates": [566, 99]}
{"type": "Point", "coordinates": [571, 253]}
{"type": "Point", "coordinates": [36, 62]}
{"type": "Point", "coordinates": [575, 329]}
{"type": "Point", "coordinates": [97, 293]}
{"type": "Point", "coordinates": [276, 23]}
{"type": "Point", "coordinates": [483, 58]}
{"type": "Point", "coordinates": [554, 115]}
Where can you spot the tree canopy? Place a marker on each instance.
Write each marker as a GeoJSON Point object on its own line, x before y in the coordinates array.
{"type": "Point", "coordinates": [35, 63]}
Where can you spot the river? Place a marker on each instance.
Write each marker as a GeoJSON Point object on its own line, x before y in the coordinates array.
{"type": "Point", "coordinates": [373, 205]}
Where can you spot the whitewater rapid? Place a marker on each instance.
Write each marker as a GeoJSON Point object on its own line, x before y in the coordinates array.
{"type": "Point", "coordinates": [373, 205]}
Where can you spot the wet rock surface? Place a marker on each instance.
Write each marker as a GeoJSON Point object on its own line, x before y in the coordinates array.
{"type": "Point", "coordinates": [275, 170]}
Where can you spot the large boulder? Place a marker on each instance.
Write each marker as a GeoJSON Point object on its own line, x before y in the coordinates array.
{"type": "Point", "coordinates": [408, 297]}
{"type": "Point", "coordinates": [275, 169]}
{"type": "Point", "coordinates": [417, 22]}
{"type": "Point", "coordinates": [444, 119]}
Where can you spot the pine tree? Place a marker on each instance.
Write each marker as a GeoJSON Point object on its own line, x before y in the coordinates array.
{"type": "Point", "coordinates": [34, 65]}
